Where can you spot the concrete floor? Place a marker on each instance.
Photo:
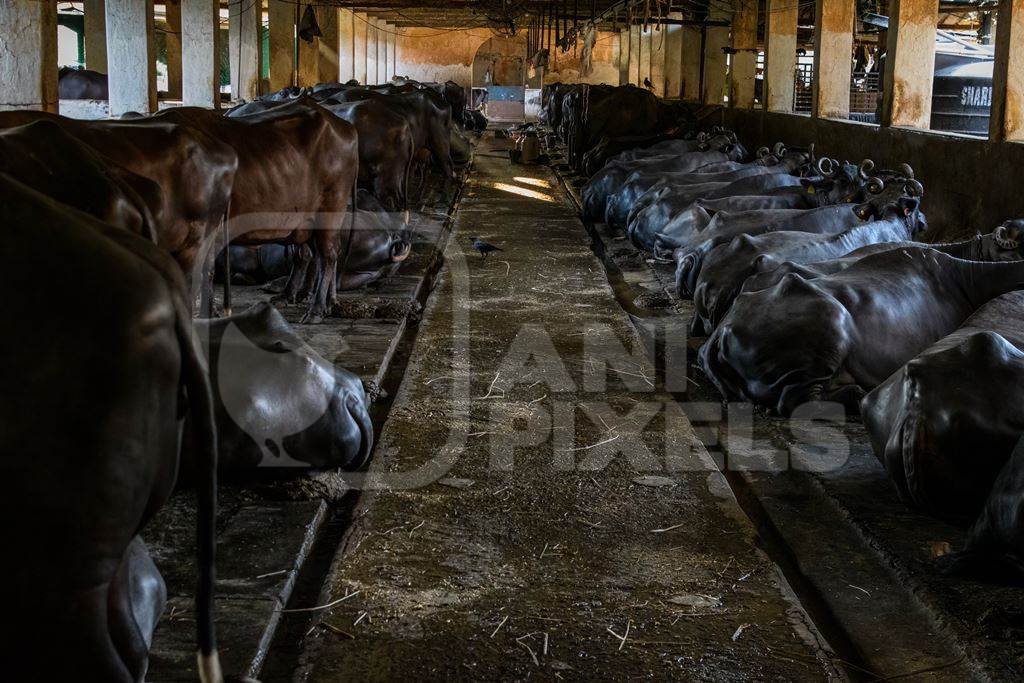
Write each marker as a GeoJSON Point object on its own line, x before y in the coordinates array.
{"type": "Point", "coordinates": [540, 506]}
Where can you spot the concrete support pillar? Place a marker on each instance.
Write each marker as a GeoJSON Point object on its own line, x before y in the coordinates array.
{"type": "Point", "coordinates": [200, 59]}
{"type": "Point", "coordinates": [392, 56]}
{"type": "Point", "coordinates": [658, 38]}
{"type": "Point", "coordinates": [173, 38]}
{"type": "Point", "coordinates": [281, 14]}
{"type": "Point", "coordinates": [691, 60]}
{"type": "Point", "coordinates": [743, 69]}
{"type": "Point", "coordinates": [308, 72]}
{"type": "Point", "coordinates": [645, 55]}
{"type": "Point", "coordinates": [382, 52]}
{"type": "Point", "coordinates": [910, 63]}
{"type": "Point", "coordinates": [361, 30]}
{"type": "Point", "coordinates": [244, 48]}
{"type": "Point", "coordinates": [780, 55]}
{"type": "Point", "coordinates": [1007, 115]}
{"type": "Point", "coordinates": [833, 57]}
{"type": "Point", "coordinates": [674, 57]}
{"type": "Point", "coordinates": [329, 64]}
{"type": "Point", "coordinates": [346, 45]}
{"type": "Point", "coordinates": [95, 35]}
{"type": "Point", "coordinates": [716, 38]}
{"type": "Point", "coordinates": [28, 55]}
{"type": "Point", "coordinates": [131, 56]}
{"type": "Point", "coordinates": [623, 56]}
{"type": "Point", "coordinates": [634, 56]}
{"type": "Point", "coordinates": [371, 52]}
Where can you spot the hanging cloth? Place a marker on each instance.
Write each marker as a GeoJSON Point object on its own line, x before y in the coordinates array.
{"type": "Point", "coordinates": [308, 27]}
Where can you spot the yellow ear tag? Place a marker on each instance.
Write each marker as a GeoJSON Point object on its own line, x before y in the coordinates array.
{"type": "Point", "coordinates": [810, 189]}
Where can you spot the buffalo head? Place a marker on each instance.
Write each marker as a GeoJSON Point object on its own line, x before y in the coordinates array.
{"type": "Point", "coordinates": [836, 183]}
{"type": "Point", "coordinates": [899, 196]}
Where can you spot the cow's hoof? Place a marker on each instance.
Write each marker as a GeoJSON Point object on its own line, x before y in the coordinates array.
{"type": "Point", "coordinates": [312, 317]}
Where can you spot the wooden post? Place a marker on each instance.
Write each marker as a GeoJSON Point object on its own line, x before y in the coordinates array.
{"type": "Point", "coordinates": [833, 58]}
{"type": "Point", "coordinates": [743, 71]}
{"type": "Point", "coordinates": [95, 36]}
{"type": "Point", "coordinates": [910, 63]}
{"type": "Point", "coordinates": [173, 9]}
{"type": "Point", "coordinates": [780, 54]}
{"type": "Point", "coordinates": [1007, 114]}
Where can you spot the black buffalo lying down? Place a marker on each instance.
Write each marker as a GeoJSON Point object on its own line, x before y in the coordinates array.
{"type": "Point", "coordinates": [93, 403]}
{"type": "Point", "coordinates": [945, 423]}
{"type": "Point", "coordinates": [278, 402]}
{"type": "Point", "coordinates": [835, 337]}
{"type": "Point", "coordinates": [896, 217]}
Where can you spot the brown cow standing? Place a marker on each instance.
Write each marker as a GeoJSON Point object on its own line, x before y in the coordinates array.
{"type": "Point", "coordinates": [194, 171]}
{"type": "Point", "coordinates": [45, 157]}
{"type": "Point", "coordinates": [297, 171]}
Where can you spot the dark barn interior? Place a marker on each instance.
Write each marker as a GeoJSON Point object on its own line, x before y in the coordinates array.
{"type": "Point", "coordinates": [512, 340]}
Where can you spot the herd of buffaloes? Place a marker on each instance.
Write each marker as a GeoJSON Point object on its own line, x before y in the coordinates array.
{"type": "Point", "coordinates": [813, 280]}
{"type": "Point", "coordinates": [112, 391]}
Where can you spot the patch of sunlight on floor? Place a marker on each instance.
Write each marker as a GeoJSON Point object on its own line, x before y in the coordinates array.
{"type": "Point", "coordinates": [536, 182]}
{"type": "Point", "coordinates": [522, 191]}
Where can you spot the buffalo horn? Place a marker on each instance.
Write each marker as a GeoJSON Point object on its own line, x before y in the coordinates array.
{"type": "Point", "coordinates": [826, 167]}
{"type": "Point", "coordinates": [866, 167]}
{"type": "Point", "coordinates": [762, 152]}
{"type": "Point", "coordinates": [999, 235]}
{"type": "Point", "coordinates": [875, 185]}
{"type": "Point", "coordinates": [779, 149]}
{"type": "Point", "coordinates": [906, 170]}
{"type": "Point", "coordinates": [914, 188]}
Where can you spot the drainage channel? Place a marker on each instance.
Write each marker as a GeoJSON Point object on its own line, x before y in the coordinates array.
{"type": "Point", "coordinates": [287, 654]}
{"type": "Point", "coordinates": [844, 652]}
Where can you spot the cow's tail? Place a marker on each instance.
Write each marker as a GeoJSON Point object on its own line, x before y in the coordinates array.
{"type": "Point", "coordinates": [204, 435]}
{"type": "Point", "coordinates": [227, 260]}
{"type": "Point", "coordinates": [343, 260]}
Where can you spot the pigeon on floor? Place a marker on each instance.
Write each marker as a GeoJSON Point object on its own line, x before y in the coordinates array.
{"type": "Point", "coordinates": [483, 247]}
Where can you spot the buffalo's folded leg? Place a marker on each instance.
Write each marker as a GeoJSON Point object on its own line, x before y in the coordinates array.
{"type": "Point", "coordinates": [137, 599]}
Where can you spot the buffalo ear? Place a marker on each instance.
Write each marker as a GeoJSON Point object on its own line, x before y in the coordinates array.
{"type": "Point", "coordinates": [819, 185]}
{"type": "Point", "coordinates": [909, 205]}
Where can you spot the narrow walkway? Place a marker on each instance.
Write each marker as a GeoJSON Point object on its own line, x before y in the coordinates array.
{"type": "Point", "coordinates": [532, 527]}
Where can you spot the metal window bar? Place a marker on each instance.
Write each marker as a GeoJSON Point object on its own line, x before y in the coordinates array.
{"type": "Point", "coordinates": [803, 78]}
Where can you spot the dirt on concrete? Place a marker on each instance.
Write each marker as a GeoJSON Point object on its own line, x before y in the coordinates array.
{"type": "Point", "coordinates": [541, 508]}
